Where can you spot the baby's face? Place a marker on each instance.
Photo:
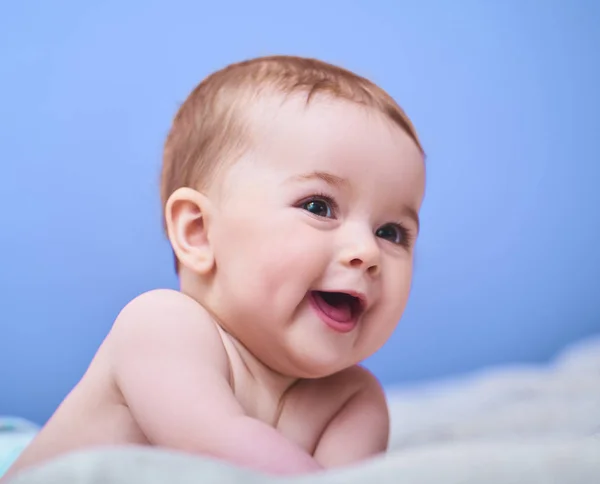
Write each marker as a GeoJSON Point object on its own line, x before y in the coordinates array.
{"type": "Point", "coordinates": [314, 236]}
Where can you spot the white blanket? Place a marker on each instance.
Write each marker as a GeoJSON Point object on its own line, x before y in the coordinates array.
{"type": "Point", "coordinates": [566, 462]}
{"type": "Point", "coordinates": [560, 400]}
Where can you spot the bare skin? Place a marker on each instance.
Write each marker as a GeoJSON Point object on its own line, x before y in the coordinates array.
{"type": "Point", "coordinates": [165, 356]}
{"type": "Point", "coordinates": [249, 363]}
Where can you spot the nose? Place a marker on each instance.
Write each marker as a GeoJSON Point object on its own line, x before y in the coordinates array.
{"type": "Point", "coordinates": [361, 251]}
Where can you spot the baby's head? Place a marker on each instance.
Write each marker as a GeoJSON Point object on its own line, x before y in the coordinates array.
{"type": "Point", "coordinates": [291, 192]}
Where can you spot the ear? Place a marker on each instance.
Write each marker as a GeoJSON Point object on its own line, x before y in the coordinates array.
{"type": "Point", "coordinates": [186, 217]}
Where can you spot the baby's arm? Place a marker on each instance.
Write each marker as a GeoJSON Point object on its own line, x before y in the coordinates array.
{"type": "Point", "coordinates": [360, 428]}
{"type": "Point", "coordinates": [171, 368]}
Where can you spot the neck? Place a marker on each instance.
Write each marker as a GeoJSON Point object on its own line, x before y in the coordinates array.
{"type": "Point", "coordinates": [276, 383]}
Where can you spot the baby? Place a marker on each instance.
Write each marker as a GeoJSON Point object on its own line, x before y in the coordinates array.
{"type": "Point", "coordinates": [291, 191]}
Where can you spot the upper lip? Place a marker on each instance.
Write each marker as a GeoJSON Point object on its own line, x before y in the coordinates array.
{"type": "Point", "coordinates": [359, 296]}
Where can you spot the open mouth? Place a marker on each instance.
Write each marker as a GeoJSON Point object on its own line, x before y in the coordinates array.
{"type": "Point", "coordinates": [340, 307]}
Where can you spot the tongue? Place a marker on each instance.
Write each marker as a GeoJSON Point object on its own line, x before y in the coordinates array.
{"type": "Point", "coordinates": [337, 307]}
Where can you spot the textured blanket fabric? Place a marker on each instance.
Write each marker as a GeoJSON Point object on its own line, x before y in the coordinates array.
{"type": "Point", "coordinates": [555, 401]}
{"type": "Point", "coordinates": [575, 462]}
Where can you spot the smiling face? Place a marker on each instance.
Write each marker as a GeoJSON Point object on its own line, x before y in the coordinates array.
{"type": "Point", "coordinates": [313, 234]}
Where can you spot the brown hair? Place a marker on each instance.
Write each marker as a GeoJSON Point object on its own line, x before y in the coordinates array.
{"type": "Point", "coordinates": [209, 129]}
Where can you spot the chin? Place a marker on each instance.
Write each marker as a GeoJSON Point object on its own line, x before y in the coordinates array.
{"type": "Point", "coordinates": [316, 364]}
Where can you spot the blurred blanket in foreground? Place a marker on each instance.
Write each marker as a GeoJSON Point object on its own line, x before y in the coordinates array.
{"type": "Point", "coordinates": [554, 401]}
{"type": "Point", "coordinates": [572, 462]}
{"type": "Point", "coordinates": [15, 435]}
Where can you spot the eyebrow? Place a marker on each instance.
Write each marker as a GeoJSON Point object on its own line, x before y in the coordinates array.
{"type": "Point", "coordinates": [337, 181]}
{"type": "Point", "coordinates": [412, 214]}
{"type": "Point", "coordinates": [328, 178]}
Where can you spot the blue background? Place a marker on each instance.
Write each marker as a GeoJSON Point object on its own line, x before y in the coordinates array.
{"type": "Point", "coordinates": [504, 95]}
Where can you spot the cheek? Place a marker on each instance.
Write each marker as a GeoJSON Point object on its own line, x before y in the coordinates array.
{"type": "Point", "coordinates": [292, 261]}
{"type": "Point", "coordinates": [292, 252]}
{"type": "Point", "coordinates": [397, 291]}
{"type": "Point", "coordinates": [270, 257]}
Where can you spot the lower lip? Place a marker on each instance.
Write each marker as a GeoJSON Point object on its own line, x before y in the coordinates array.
{"type": "Point", "coordinates": [340, 327]}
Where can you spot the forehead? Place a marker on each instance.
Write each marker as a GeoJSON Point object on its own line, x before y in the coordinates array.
{"type": "Point", "coordinates": [354, 142]}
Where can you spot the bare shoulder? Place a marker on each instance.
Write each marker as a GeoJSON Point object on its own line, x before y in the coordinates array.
{"type": "Point", "coordinates": [359, 428]}
{"type": "Point", "coordinates": [354, 389]}
{"type": "Point", "coordinates": [164, 321]}
{"type": "Point", "coordinates": [336, 390]}
{"type": "Point", "coordinates": [353, 382]}
{"type": "Point", "coordinates": [360, 396]}
{"type": "Point", "coordinates": [159, 303]}
{"type": "Point", "coordinates": [162, 310]}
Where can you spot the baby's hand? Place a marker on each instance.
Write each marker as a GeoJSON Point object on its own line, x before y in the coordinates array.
{"type": "Point", "coordinates": [172, 370]}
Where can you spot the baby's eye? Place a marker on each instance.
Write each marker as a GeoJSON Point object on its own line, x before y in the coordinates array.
{"type": "Point", "coordinates": [394, 233]}
{"type": "Point", "coordinates": [318, 207]}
